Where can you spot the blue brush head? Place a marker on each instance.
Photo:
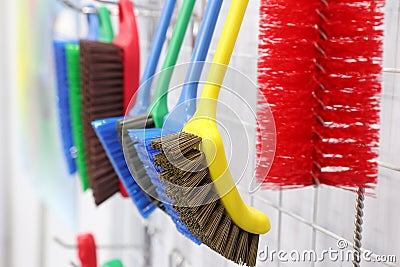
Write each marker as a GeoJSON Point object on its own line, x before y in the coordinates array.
{"type": "Point", "coordinates": [146, 153]}
{"type": "Point", "coordinates": [107, 132]}
{"type": "Point", "coordinates": [63, 104]}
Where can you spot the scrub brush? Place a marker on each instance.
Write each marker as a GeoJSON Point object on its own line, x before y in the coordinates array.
{"type": "Point", "coordinates": [110, 77]}
{"type": "Point", "coordinates": [105, 34]}
{"type": "Point", "coordinates": [106, 129]}
{"type": "Point", "coordinates": [174, 120]}
{"type": "Point", "coordinates": [226, 225]}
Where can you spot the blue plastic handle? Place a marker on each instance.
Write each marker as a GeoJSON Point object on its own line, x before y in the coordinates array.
{"type": "Point", "coordinates": [143, 97]}
{"type": "Point", "coordinates": [93, 26]}
{"type": "Point", "coordinates": [189, 90]}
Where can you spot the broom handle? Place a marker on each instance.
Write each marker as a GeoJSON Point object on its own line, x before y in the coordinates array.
{"type": "Point", "coordinates": [221, 59]}
{"type": "Point", "coordinates": [159, 106]}
{"type": "Point", "coordinates": [93, 26]}
{"type": "Point", "coordinates": [189, 89]}
{"type": "Point", "coordinates": [143, 97]}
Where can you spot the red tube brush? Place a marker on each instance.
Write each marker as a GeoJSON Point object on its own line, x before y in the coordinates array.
{"type": "Point", "coordinates": [320, 72]}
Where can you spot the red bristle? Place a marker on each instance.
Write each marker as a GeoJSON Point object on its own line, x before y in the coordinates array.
{"type": "Point", "coordinates": [286, 67]}
{"type": "Point", "coordinates": [320, 71]}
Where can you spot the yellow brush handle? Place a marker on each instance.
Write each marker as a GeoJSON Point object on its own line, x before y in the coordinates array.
{"type": "Point", "coordinates": [203, 124]}
{"type": "Point", "coordinates": [221, 59]}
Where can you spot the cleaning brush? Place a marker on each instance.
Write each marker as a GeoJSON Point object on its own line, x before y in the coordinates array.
{"type": "Point", "coordinates": [109, 74]}
{"type": "Point", "coordinates": [320, 70]}
{"type": "Point", "coordinates": [158, 109]}
{"type": "Point", "coordinates": [64, 103]}
{"type": "Point", "coordinates": [102, 31]}
{"type": "Point", "coordinates": [207, 198]}
{"type": "Point", "coordinates": [173, 121]}
{"type": "Point", "coordinates": [106, 129]}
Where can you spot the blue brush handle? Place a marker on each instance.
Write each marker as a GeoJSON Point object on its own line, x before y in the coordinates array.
{"type": "Point", "coordinates": [189, 90]}
{"type": "Point", "coordinates": [93, 26]}
{"type": "Point", "coordinates": [143, 97]}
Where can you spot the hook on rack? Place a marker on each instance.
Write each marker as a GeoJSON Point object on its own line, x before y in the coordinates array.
{"type": "Point", "coordinates": [102, 247]}
{"type": "Point", "coordinates": [81, 9]}
{"type": "Point", "coordinates": [140, 10]}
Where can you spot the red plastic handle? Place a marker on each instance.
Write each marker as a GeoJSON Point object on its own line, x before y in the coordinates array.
{"type": "Point", "coordinates": [128, 40]}
{"type": "Point", "coordinates": [87, 250]}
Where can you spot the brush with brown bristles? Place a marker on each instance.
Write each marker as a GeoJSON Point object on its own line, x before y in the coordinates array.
{"type": "Point", "coordinates": [109, 78]}
{"type": "Point", "coordinates": [196, 200]}
{"type": "Point", "coordinates": [199, 183]}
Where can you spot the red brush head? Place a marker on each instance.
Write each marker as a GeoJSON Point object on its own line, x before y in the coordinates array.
{"type": "Point", "coordinates": [320, 71]}
{"type": "Point", "coordinates": [128, 40]}
{"type": "Point", "coordinates": [87, 250]}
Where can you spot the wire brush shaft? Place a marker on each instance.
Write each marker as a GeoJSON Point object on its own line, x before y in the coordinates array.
{"type": "Point", "coordinates": [320, 71]}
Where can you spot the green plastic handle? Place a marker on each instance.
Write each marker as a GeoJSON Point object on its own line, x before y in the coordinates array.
{"type": "Point", "coordinates": [106, 33]}
{"type": "Point", "coordinates": [159, 107]}
{"type": "Point", "coordinates": [113, 263]}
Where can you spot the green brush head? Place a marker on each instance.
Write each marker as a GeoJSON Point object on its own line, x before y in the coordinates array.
{"type": "Point", "coordinates": [74, 79]}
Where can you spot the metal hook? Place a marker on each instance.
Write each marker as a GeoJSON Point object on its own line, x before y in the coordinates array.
{"type": "Point", "coordinates": [84, 10]}
{"type": "Point", "coordinates": [140, 10]}
{"type": "Point", "coordinates": [105, 247]}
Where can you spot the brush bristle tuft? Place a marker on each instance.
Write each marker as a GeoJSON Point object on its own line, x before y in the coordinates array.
{"type": "Point", "coordinates": [102, 96]}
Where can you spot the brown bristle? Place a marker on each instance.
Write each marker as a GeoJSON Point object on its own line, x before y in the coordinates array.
{"type": "Point", "coordinates": [232, 242]}
{"type": "Point", "coordinates": [221, 235]}
{"type": "Point", "coordinates": [211, 227]}
{"type": "Point", "coordinates": [102, 96]}
{"type": "Point", "coordinates": [205, 212]}
{"type": "Point", "coordinates": [176, 144]}
{"type": "Point", "coordinates": [253, 249]}
{"type": "Point", "coordinates": [190, 187]}
{"type": "Point", "coordinates": [242, 248]}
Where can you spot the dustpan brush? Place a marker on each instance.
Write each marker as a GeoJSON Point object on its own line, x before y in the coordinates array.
{"type": "Point", "coordinates": [109, 80]}
{"type": "Point", "coordinates": [320, 71]}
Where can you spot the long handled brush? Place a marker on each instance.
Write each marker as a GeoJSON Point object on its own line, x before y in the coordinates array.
{"type": "Point", "coordinates": [103, 32]}
{"type": "Point", "coordinates": [175, 120]}
{"type": "Point", "coordinates": [320, 70]}
{"type": "Point", "coordinates": [106, 129]}
{"type": "Point", "coordinates": [226, 225]}
{"type": "Point", "coordinates": [110, 77]}
{"type": "Point", "coordinates": [158, 109]}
